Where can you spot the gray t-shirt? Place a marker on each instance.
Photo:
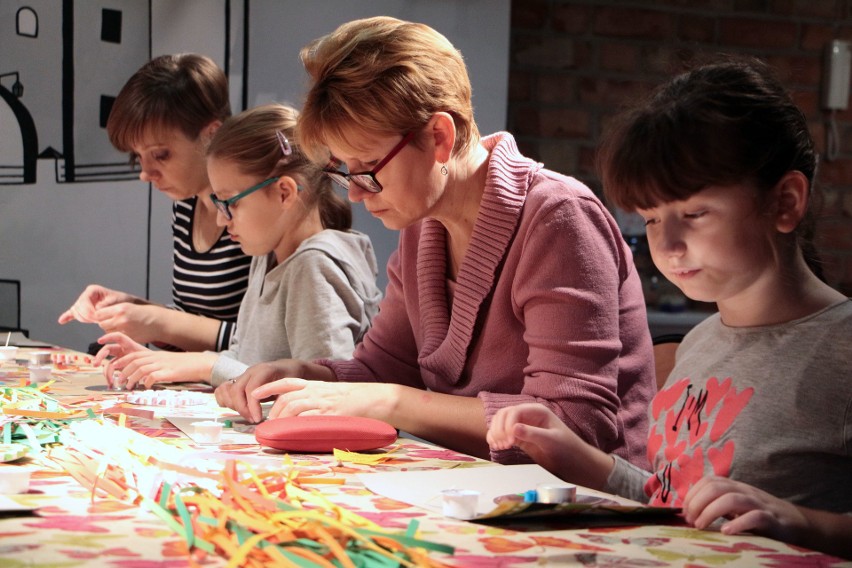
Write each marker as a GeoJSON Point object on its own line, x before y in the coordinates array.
{"type": "Point", "coordinates": [769, 406]}
{"type": "Point", "coordinates": [318, 303]}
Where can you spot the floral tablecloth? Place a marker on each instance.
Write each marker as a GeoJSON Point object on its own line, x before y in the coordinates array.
{"type": "Point", "coordinates": [70, 528]}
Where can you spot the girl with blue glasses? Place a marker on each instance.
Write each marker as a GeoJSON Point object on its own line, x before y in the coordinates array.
{"type": "Point", "coordinates": [312, 290]}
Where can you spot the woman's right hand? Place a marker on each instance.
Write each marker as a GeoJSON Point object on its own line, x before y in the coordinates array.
{"type": "Point", "coordinates": [141, 322]}
{"type": "Point", "coordinates": [93, 298]}
{"type": "Point", "coordinates": [236, 393]}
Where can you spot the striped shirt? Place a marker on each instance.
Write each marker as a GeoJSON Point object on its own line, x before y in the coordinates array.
{"type": "Point", "coordinates": [207, 283]}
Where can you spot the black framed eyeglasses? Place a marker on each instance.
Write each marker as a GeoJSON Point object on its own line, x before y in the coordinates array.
{"type": "Point", "coordinates": [365, 180]}
{"type": "Point", "coordinates": [224, 205]}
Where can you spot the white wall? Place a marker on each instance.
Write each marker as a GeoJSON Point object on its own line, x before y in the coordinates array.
{"type": "Point", "coordinates": [57, 238]}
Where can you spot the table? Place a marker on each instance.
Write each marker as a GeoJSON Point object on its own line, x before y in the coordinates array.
{"type": "Point", "coordinates": [73, 529]}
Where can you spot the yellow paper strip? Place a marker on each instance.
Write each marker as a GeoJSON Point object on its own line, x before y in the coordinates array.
{"type": "Point", "coordinates": [42, 414]}
{"type": "Point", "coordinates": [363, 459]}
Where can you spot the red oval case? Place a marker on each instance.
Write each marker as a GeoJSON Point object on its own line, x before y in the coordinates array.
{"type": "Point", "coordinates": [324, 434]}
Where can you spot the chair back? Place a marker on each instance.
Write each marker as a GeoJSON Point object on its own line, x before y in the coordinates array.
{"type": "Point", "coordinates": [10, 306]}
{"type": "Point", "coordinates": [665, 347]}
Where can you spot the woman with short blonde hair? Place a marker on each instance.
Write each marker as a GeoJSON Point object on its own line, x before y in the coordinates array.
{"type": "Point", "coordinates": [511, 283]}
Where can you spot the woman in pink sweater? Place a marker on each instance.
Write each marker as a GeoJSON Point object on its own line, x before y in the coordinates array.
{"type": "Point", "coordinates": [511, 283]}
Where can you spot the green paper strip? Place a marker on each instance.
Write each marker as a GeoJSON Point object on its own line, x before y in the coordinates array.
{"type": "Point", "coordinates": [410, 542]}
{"type": "Point", "coordinates": [314, 545]}
{"type": "Point", "coordinates": [163, 514]}
{"type": "Point", "coordinates": [242, 534]}
{"type": "Point", "coordinates": [167, 517]}
{"type": "Point", "coordinates": [165, 491]}
{"type": "Point", "coordinates": [412, 528]}
{"type": "Point", "coordinates": [189, 534]}
{"type": "Point", "coordinates": [31, 437]}
{"type": "Point", "coordinates": [299, 561]}
{"type": "Point", "coordinates": [286, 507]}
{"type": "Point", "coordinates": [373, 559]}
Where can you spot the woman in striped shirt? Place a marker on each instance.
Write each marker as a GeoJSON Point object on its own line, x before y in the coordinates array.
{"type": "Point", "coordinates": [168, 141]}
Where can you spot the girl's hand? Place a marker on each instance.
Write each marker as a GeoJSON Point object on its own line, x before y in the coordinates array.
{"type": "Point", "coordinates": [236, 393]}
{"type": "Point", "coordinates": [298, 397]}
{"type": "Point", "coordinates": [747, 507]}
{"type": "Point", "coordinates": [115, 345]}
{"type": "Point", "coordinates": [93, 298]}
{"type": "Point", "coordinates": [136, 364]}
{"type": "Point", "coordinates": [539, 433]}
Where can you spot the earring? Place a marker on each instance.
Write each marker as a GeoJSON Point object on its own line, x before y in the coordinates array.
{"type": "Point", "coordinates": [444, 170]}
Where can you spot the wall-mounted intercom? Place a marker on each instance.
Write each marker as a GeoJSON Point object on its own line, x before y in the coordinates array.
{"type": "Point", "coordinates": [836, 74]}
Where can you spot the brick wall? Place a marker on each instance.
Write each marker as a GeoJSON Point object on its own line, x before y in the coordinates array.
{"type": "Point", "coordinates": [573, 63]}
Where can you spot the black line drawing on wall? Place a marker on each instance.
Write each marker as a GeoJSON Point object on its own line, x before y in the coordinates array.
{"type": "Point", "coordinates": [61, 65]}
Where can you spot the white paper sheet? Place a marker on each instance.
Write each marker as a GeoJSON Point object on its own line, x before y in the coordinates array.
{"type": "Point", "coordinates": [423, 488]}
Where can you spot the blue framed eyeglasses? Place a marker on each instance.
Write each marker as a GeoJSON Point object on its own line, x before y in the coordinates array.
{"type": "Point", "coordinates": [224, 205]}
{"type": "Point", "coordinates": [365, 180]}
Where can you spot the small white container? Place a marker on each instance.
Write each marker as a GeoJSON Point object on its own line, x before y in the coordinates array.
{"type": "Point", "coordinates": [14, 479]}
{"type": "Point", "coordinates": [40, 358]}
{"type": "Point", "coordinates": [207, 432]}
{"type": "Point", "coordinates": [8, 352]}
{"type": "Point", "coordinates": [460, 503]}
{"type": "Point", "coordinates": [40, 373]}
{"type": "Point", "coordinates": [556, 493]}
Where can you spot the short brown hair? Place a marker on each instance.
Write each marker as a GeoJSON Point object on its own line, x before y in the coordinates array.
{"type": "Point", "coordinates": [250, 140]}
{"type": "Point", "coordinates": [385, 76]}
{"type": "Point", "coordinates": [184, 91]}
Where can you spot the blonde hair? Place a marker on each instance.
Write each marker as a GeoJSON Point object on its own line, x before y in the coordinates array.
{"type": "Point", "coordinates": [252, 140]}
{"type": "Point", "coordinates": [185, 91]}
{"type": "Point", "coordinates": [385, 76]}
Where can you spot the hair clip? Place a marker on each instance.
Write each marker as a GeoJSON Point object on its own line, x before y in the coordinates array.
{"type": "Point", "coordinates": [286, 149]}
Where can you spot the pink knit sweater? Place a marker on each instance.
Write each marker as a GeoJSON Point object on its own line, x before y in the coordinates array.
{"type": "Point", "coordinates": [547, 308]}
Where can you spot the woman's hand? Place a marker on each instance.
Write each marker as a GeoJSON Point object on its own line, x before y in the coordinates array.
{"type": "Point", "coordinates": [136, 364]}
{"type": "Point", "coordinates": [236, 393]}
{"type": "Point", "coordinates": [296, 397]}
{"type": "Point", "coordinates": [537, 431]}
{"type": "Point", "coordinates": [93, 298]}
{"type": "Point", "coordinates": [747, 507]}
{"type": "Point", "coordinates": [141, 322]}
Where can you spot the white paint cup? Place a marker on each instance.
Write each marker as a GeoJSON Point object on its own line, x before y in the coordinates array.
{"type": "Point", "coordinates": [14, 479]}
{"type": "Point", "coordinates": [460, 503]}
{"type": "Point", "coordinates": [8, 352]}
{"type": "Point", "coordinates": [556, 493]}
{"type": "Point", "coordinates": [40, 373]}
{"type": "Point", "coordinates": [40, 358]}
{"type": "Point", "coordinates": [207, 432]}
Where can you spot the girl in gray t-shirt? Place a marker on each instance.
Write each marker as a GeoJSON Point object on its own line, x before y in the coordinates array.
{"type": "Point", "coordinates": [755, 421]}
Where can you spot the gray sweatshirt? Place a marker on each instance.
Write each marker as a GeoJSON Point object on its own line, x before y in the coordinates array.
{"type": "Point", "coordinates": [317, 304]}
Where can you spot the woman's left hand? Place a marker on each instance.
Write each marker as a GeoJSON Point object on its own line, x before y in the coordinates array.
{"type": "Point", "coordinates": [303, 397]}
